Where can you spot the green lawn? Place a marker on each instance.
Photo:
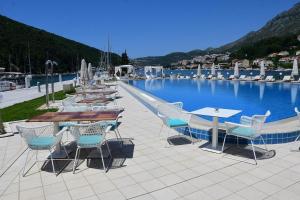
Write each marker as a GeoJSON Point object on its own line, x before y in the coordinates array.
{"type": "Point", "coordinates": [28, 109]}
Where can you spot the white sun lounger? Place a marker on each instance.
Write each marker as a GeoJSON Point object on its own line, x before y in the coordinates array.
{"type": "Point", "coordinates": [256, 78]}
{"type": "Point", "coordinates": [242, 77]}
{"type": "Point", "coordinates": [286, 79]}
{"type": "Point", "coordinates": [268, 79]}
{"type": "Point", "coordinates": [231, 77]}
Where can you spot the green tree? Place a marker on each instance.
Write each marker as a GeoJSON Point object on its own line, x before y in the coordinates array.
{"type": "Point", "coordinates": [124, 58]}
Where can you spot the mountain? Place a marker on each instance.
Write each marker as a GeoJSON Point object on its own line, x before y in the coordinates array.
{"type": "Point", "coordinates": [284, 24]}
{"type": "Point", "coordinates": [283, 27]}
{"type": "Point", "coordinates": [18, 39]}
{"type": "Point", "coordinates": [168, 59]}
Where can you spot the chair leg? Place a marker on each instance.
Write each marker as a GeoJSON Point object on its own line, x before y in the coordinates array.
{"type": "Point", "coordinates": [108, 149]}
{"type": "Point", "coordinates": [264, 142]}
{"type": "Point", "coordinates": [224, 143]}
{"type": "Point", "coordinates": [253, 149]}
{"type": "Point", "coordinates": [65, 150]}
{"type": "Point", "coordinates": [160, 130]}
{"type": "Point", "coordinates": [100, 149]}
{"type": "Point", "coordinates": [23, 173]}
{"type": "Point", "coordinates": [53, 167]}
{"type": "Point", "coordinates": [75, 160]}
{"type": "Point", "coordinates": [191, 136]}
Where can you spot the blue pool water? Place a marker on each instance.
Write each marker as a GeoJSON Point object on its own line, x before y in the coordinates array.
{"type": "Point", "coordinates": [250, 97]}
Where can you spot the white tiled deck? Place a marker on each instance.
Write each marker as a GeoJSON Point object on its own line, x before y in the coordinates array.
{"type": "Point", "coordinates": [156, 172]}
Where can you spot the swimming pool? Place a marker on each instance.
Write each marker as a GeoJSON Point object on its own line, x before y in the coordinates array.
{"type": "Point", "coordinates": [250, 97]}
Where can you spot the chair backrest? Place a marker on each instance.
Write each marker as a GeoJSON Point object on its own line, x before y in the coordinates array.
{"type": "Point", "coordinates": [231, 76]}
{"type": "Point", "coordinates": [242, 76]}
{"type": "Point", "coordinates": [286, 78]}
{"type": "Point", "coordinates": [172, 110]}
{"type": "Point", "coordinates": [98, 128]}
{"type": "Point", "coordinates": [28, 133]}
{"type": "Point", "coordinates": [259, 120]}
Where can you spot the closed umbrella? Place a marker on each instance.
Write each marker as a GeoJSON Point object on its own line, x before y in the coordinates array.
{"type": "Point", "coordinates": [295, 71]}
{"type": "Point", "coordinates": [213, 70]}
{"type": "Point", "coordinates": [236, 70]}
{"type": "Point", "coordinates": [90, 72]}
{"type": "Point", "coordinates": [262, 68]}
{"type": "Point", "coordinates": [199, 70]}
{"type": "Point", "coordinates": [83, 72]}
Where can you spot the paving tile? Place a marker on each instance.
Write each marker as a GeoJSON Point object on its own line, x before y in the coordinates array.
{"type": "Point", "coordinates": [61, 195]}
{"type": "Point", "coordinates": [216, 191]}
{"type": "Point", "coordinates": [170, 179]}
{"type": "Point", "coordinates": [103, 186]}
{"type": "Point", "coordinates": [123, 181]}
{"type": "Point", "coordinates": [152, 185]}
{"type": "Point", "coordinates": [111, 195]}
{"type": "Point", "coordinates": [251, 193]}
{"type": "Point", "coordinates": [36, 193]}
{"type": "Point", "coordinates": [198, 195]}
{"type": "Point", "coordinates": [81, 192]}
{"type": "Point", "coordinates": [142, 176]}
{"type": "Point", "coordinates": [132, 191]}
{"type": "Point", "coordinates": [267, 187]}
{"type": "Point", "coordinates": [184, 189]}
{"type": "Point", "coordinates": [165, 194]}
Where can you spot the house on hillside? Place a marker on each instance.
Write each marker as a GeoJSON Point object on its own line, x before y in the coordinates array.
{"type": "Point", "coordinates": [283, 53]}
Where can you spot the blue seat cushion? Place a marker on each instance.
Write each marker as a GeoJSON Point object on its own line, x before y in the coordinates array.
{"type": "Point", "coordinates": [243, 132]}
{"type": "Point", "coordinates": [89, 140]}
{"type": "Point", "coordinates": [175, 122]}
{"type": "Point", "coordinates": [42, 142]}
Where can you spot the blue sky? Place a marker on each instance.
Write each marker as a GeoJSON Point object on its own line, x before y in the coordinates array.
{"type": "Point", "coordinates": [147, 27]}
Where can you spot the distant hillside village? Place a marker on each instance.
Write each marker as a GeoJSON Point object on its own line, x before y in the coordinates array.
{"type": "Point", "coordinates": [282, 59]}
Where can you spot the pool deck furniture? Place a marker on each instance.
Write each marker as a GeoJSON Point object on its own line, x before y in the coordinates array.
{"type": "Point", "coordinates": [249, 128]}
{"type": "Point", "coordinates": [216, 114]}
{"type": "Point", "coordinates": [286, 78]}
{"type": "Point", "coordinates": [173, 117]}
{"type": "Point", "coordinates": [102, 100]}
{"type": "Point", "coordinates": [57, 117]}
{"type": "Point", "coordinates": [257, 78]}
{"type": "Point", "coordinates": [231, 77]}
{"type": "Point", "coordinates": [89, 136]}
{"type": "Point", "coordinates": [98, 92]}
{"type": "Point", "coordinates": [41, 138]}
{"type": "Point", "coordinates": [242, 78]}
{"type": "Point", "coordinates": [268, 79]}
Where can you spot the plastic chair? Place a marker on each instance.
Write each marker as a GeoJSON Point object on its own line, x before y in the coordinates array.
{"type": "Point", "coordinates": [88, 136]}
{"type": "Point", "coordinates": [249, 128]}
{"type": "Point", "coordinates": [41, 138]}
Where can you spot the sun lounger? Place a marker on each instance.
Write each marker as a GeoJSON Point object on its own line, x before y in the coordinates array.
{"type": "Point", "coordinates": [256, 78]}
{"type": "Point", "coordinates": [220, 77]}
{"type": "Point", "coordinates": [231, 77]}
{"type": "Point", "coordinates": [296, 81]}
{"type": "Point", "coordinates": [286, 79]}
{"type": "Point", "coordinates": [242, 77]}
{"type": "Point", "coordinates": [202, 76]}
{"type": "Point", "coordinates": [268, 79]}
{"type": "Point", "coordinates": [209, 77]}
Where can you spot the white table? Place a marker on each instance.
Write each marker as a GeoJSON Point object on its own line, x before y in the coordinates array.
{"type": "Point", "coordinates": [213, 112]}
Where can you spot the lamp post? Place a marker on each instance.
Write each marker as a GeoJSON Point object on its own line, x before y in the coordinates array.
{"type": "Point", "coordinates": [52, 81]}
{"type": "Point", "coordinates": [46, 84]}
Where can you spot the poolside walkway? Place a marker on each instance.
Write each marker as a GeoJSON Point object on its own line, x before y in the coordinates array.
{"type": "Point", "coordinates": [12, 97]}
{"type": "Point", "coordinates": [159, 173]}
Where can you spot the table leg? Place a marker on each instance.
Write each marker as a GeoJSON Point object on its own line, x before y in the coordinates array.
{"type": "Point", "coordinates": [213, 146]}
{"type": "Point", "coordinates": [215, 132]}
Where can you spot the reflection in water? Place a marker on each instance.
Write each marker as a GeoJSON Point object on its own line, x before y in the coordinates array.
{"type": "Point", "coordinates": [261, 90]}
{"type": "Point", "coordinates": [198, 85]}
{"type": "Point", "coordinates": [213, 86]}
{"type": "Point", "coordinates": [294, 92]}
{"type": "Point", "coordinates": [154, 84]}
{"type": "Point", "coordinates": [236, 88]}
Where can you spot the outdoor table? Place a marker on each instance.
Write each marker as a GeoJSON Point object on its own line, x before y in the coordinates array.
{"type": "Point", "coordinates": [57, 117]}
{"type": "Point", "coordinates": [215, 113]}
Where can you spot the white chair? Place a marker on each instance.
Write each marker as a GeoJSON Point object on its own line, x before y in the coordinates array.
{"type": "Point", "coordinates": [249, 128]}
{"type": "Point", "coordinates": [88, 136]}
{"type": "Point", "coordinates": [242, 77]}
{"type": "Point", "coordinates": [40, 138]}
{"type": "Point", "coordinates": [257, 78]}
{"type": "Point", "coordinates": [174, 117]}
